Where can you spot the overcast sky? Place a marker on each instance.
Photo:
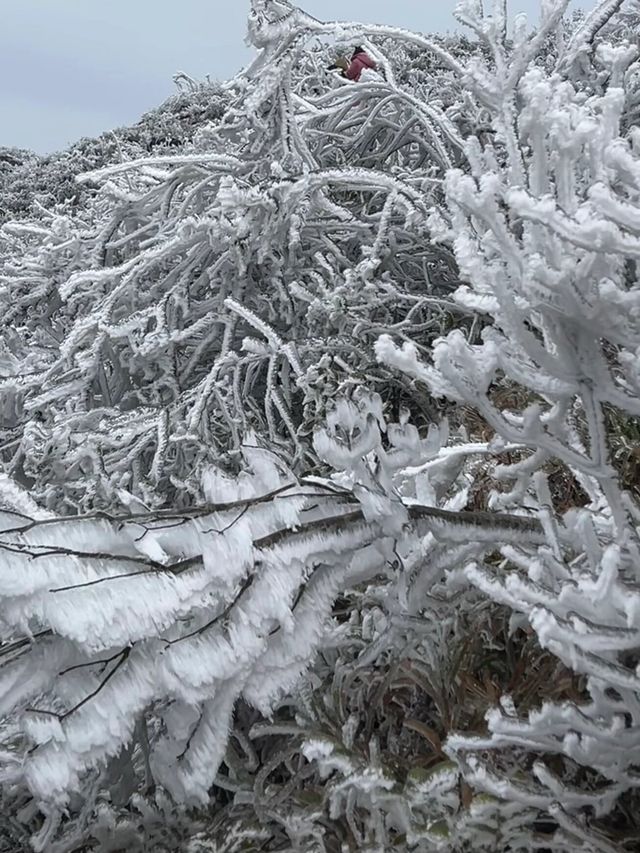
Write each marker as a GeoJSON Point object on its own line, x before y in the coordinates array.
{"type": "Point", "coordinates": [72, 68]}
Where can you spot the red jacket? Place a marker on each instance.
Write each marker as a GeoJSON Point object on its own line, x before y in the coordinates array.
{"type": "Point", "coordinates": [359, 62]}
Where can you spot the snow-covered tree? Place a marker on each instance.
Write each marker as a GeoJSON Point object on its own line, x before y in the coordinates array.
{"type": "Point", "coordinates": [545, 229]}
{"type": "Point", "coordinates": [247, 568]}
{"type": "Point", "coordinates": [235, 285]}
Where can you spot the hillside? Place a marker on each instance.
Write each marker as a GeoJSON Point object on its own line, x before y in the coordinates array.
{"type": "Point", "coordinates": [27, 180]}
{"type": "Point", "coordinates": [319, 437]}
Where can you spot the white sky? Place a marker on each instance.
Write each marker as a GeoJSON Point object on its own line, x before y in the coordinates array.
{"type": "Point", "coordinates": [72, 68]}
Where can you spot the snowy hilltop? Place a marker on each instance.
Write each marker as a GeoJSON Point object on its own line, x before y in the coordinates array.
{"type": "Point", "coordinates": [319, 442]}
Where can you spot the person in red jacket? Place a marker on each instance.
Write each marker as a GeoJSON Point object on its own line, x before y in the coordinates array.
{"type": "Point", "coordinates": [354, 68]}
{"type": "Point", "coordinates": [359, 61]}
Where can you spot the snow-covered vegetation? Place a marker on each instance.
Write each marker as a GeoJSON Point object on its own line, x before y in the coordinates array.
{"type": "Point", "coordinates": [320, 448]}
{"type": "Point", "coordinates": [29, 183]}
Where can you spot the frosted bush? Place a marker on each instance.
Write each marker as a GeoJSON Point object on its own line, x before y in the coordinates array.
{"type": "Point", "coordinates": [256, 589]}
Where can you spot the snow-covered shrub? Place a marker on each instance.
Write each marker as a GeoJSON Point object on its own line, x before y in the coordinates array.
{"type": "Point", "coordinates": [236, 285]}
{"type": "Point", "coordinates": [130, 639]}
{"type": "Point", "coordinates": [28, 182]}
{"type": "Point", "coordinates": [546, 231]}
{"type": "Point", "coordinates": [249, 573]}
